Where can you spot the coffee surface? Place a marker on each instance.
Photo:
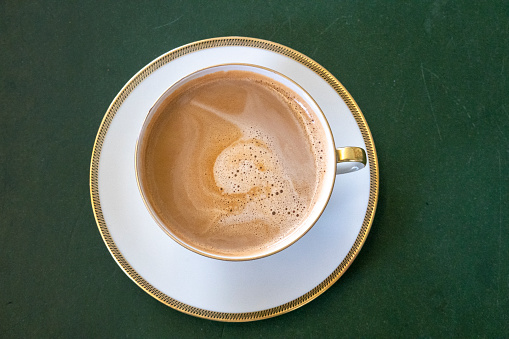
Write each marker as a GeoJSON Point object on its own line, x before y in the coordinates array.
{"type": "Point", "coordinates": [232, 162]}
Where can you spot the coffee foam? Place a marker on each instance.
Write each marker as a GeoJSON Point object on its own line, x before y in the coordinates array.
{"type": "Point", "coordinates": [232, 162]}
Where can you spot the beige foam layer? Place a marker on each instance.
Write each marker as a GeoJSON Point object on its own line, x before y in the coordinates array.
{"type": "Point", "coordinates": [232, 161]}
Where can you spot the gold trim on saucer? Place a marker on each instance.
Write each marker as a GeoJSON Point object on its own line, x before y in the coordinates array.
{"type": "Point", "coordinates": [245, 42]}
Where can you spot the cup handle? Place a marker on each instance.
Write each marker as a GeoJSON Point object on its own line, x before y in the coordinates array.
{"type": "Point", "coordinates": [350, 159]}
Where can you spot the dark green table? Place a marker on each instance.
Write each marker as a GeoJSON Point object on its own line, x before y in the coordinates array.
{"type": "Point", "coordinates": [431, 79]}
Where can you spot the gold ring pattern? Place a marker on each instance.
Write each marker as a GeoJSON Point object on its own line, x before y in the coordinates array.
{"type": "Point", "coordinates": [245, 42]}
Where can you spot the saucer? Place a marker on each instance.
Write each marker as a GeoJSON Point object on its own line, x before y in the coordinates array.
{"type": "Point", "coordinates": [210, 288]}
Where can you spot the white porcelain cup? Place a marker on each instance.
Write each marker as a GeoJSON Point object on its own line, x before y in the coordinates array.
{"type": "Point", "coordinates": [340, 160]}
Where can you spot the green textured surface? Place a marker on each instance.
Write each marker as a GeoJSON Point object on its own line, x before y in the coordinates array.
{"type": "Point", "coordinates": [431, 79]}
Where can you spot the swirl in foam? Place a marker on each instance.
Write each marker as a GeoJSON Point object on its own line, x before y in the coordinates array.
{"type": "Point", "coordinates": [231, 162]}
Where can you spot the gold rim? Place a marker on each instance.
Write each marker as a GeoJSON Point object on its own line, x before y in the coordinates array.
{"type": "Point", "coordinates": [246, 42]}
{"type": "Point", "coordinates": [154, 215]}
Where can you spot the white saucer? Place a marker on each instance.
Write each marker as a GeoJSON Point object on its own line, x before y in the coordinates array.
{"type": "Point", "coordinates": [210, 288]}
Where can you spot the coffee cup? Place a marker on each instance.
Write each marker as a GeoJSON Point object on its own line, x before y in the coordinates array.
{"type": "Point", "coordinates": [237, 162]}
